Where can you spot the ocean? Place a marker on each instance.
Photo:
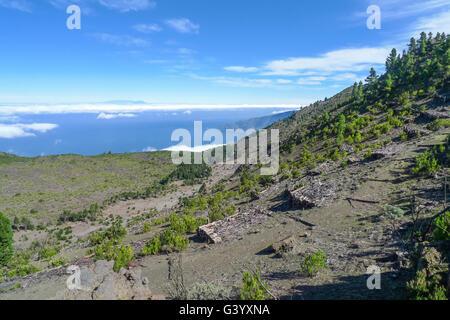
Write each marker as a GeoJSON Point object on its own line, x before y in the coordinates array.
{"type": "Point", "coordinates": [94, 133]}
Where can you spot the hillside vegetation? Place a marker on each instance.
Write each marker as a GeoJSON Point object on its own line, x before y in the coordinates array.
{"type": "Point", "coordinates": [362, 183]}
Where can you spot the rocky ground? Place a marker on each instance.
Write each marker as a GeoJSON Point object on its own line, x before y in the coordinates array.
{"type": "Point", "coordinates": [347, 226]}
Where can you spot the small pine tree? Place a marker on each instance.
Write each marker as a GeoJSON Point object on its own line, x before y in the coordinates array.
{"type": "Point", "coordinates": [6, 240]}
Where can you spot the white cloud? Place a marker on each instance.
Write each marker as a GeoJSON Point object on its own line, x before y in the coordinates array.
{"type": "Point", "coordinates": [21, 5]}
{"type": "Point", "coordinates": [10, 132]}
{"type": "Point", "coordinates": [239, 82]}
{"type": "Point", "coordinates": [112, 108]}
{"type": "Point", "coordinates": [309, 82]}
{"type": "Point", "coordinates": [436, 23]}
{"type": "Point", "coordinates": [128, 5]}
{"type": "Point", "coordinates": [188, 112]}
{"type": "Point", "coordinates": [108, 116]}
{"type": "Point", "coordinates": [156, 61]}
{"type": "Point", "coordinates": [317, 78]}
{"type": "Point", "coordinates": [283, 111]}
{"type": "Point", "coordinates": [9, 118]}
{"type": "Point", "coordinates": [345, 77]}
{"type": "Point", "coordinates": [183, 25]}
{"type": "Point", "coordinates": [149, 149]}
{"type": "Point", "coordinates": [58, 141]}
{"type": "Point", "coordinates": [121, 40]}
{"type": "Point", "coordinates": [40, 127]}
{"type": "Point", "coordinates": [399, 9]}
{"type": "Point", "coordinates": [356, 59]}
{"type": "Point", "coordinates": [186, 51]}
{"type": "Point", "coordinates": [147, 28]}
{"type": "Point", "coordinates": [284, 81]}
{"type": "Point", "coordinates": [19, 130]}
{"type": "Point", "coordinates": [241, 69]}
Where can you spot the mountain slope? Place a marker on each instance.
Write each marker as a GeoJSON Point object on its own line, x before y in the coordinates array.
{"type": "Point", "coordinates": [361, 180]}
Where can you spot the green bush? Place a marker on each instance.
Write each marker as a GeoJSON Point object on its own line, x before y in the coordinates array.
{"type": "Point", "coordinates": [206, 291]}
{"type": "Point", "coordinates": [6, 240]}
{"type": "Point", "coordinates": [421, 288]}
{"type": "Point", "coordinates": [152, 247]}
{"type": "Point", "coordinates": [393, 213]}
{"type": "Point", "coordinates": [20, 266]}
{"type": "Point", "coordinates": [253, 288]}
{"type": "Point", "coordinates": [147, 227]}
{"type": "Point", "coordinates": [185, 223]}
{"type": "Point", "coordinates": [123, 256]}
{"type": "Point", "coordinates": [189, 173]}
{"type": "Point", "coordinates": [57, 262]}
{"type": "Point", "coordinates": [170, 239]}
{"type": "Point", "coordinates": [313, 263]}
{"type": "Point", "coordinates": [442, 227]}
{"type": "Point", "coordinates": [438, 124]}
{"type": "Point", "coordinates": [116, 233]}
{"type": "Point", "coordinates": [215, 214]}
{"type": "Point", "coordinates": [173, 240]}
{"type": "Point", "coordinates": [109, 250]}
{"type": "Point", "coordinates": [426, 164]}
{"type": "Point", "coordinates": [177, 224]}
{"type": "Point", "coordinates": [47, 253]}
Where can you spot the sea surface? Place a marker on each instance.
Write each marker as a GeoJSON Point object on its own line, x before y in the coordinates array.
{"type": "Point", "coordinates": [92, 134]}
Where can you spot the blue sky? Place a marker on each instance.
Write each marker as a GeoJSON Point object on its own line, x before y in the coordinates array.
{"type": "Point", "coordinates": [198, 52]}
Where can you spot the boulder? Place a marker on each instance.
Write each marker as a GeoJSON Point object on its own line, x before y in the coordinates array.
{"type": "Point", "coordinates": [284, 245]}
{"type": "Point", "coordinates": [346, 147]}
{"type": "Point", "coordinates": [99, 282]}
{"type": "Point", "coordinates": [413, 131]}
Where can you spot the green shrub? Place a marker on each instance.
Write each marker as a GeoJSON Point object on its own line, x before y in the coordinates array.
{"type": "Point", "coordinates": [109, 251]}
{"type": "Point", "coordinates": [442, 227]}
{"type": "Point", "coordinates": [192, 223]}
{"type": "Point", "coordinates": [426, 164]}
{"type": "Point", "coordinates": [438, 124]}
{"type": "Point", "coordinates": [147, 227]}
{"type": "Point", "coordinates": [393, 213]}
{"type": "Point", "coordinates": [215, 214]}
{"type": "Point", "coordinates": [189, 173]}
{"type": "Point", "coordinates": [253, 288]}
{"type": "Point", "coordinates": [173, 240]}
{"type": "Point", "coordinates": [177, 224]}
{"type": "Point", "coordinates": [20, 266]}
{"type": "Point", "coordinates": [206, 291]}
{"type": "Point", "coordinates": [170, 239]}
{"type": "Point", "coordinates": [421, 288]}
{"type": "Point", "coordinates": [115, 233]}
{"type": "Point", "coordinates": [403, 136]}
{"type": "Point", "coordinates": [185, 223]}
{"type": "Point", "coordinates": [57, 262]}
{"type": "Point", "coordinates": [6, 240]}
{"type": "Point", "coordinates": [47, 253]}
{"type": "Point", "coordinates": [313, 263]}
{"type": "Point", "coordinates": [368, 154]}
{"type": "Point", "coordinates": [123, 256]}
{"type": "Point", "coordinates": [152, 247]}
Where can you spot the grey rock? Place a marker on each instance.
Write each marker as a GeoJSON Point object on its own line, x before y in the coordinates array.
{"type": "Point", "coordinates": [100, 282]}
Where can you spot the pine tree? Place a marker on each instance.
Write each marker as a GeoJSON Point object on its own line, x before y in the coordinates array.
{"type": "Point", "coordinates": [6, 240]}
{"type": "Point", "coordinates": [391, 60]}
{"type": "Point", "coordinates": [372, 76]}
